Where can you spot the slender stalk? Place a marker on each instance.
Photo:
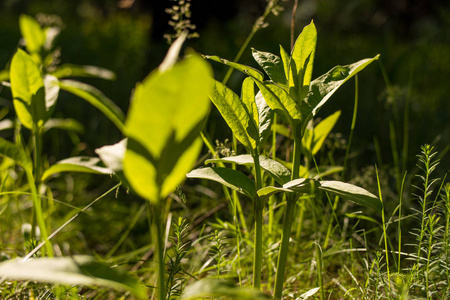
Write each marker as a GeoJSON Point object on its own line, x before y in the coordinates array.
{"type": "Point", "coordinates": [257, 263]}
{"type": "Point", "coordinates": [399, 229]}
{"type": "Point", "coordinates": [294, 11]}
{"type": "Point", "coordinates": [288, 220]}
{"type": "Point", "coordinates": [157, 228]}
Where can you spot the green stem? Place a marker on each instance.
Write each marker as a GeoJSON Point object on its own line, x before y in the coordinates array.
{"type": "Point", "coordinates": [288, 219]}
{"type": "Point", "coordinates": [157, 229]}
{"type": "Point", "coordinates": [257, 263]}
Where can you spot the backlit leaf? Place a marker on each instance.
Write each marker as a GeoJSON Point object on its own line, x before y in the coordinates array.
{"type": "Point", "coordinates": [76, 270]}
{"type": "Point", "coordinates": [163, 124]}
{"type": "Point", "coordinates": [301, 63]}
{"type": "Point", "coordinates": [27, 87]}
{"type": "Point", "coordinates": [243, 68]}
{"type": "Point", "coordinates": [32, 32]}
{"type": "Point", "coordinates": [272, 65]}
{"type": "Point", "coordinates": [69, 70]}
{"type": "Point", "coordinates": [79, 164]}
{"type": "Point", "coordinates": [265, 117]}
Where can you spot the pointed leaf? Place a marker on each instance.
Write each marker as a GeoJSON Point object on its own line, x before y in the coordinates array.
{"type": "Point", "coordinates": [301, 185]}
{"type": "Point", "coordinates": [69, 70]}
{"type": "Point", "coordinates": [27, 87]}
{"type": "Point", "coordinates": [76, 270]}
{"type": "Point", "coordinates": [243, 68]}
{"type": "Point", "coordinates": [173, 53]}
{"type": "Point", "coordinates": [96, 98]}
{"type": "Point", "coordinates": [323, 129]}
{"type": "Point", "coordinates": [248, 99]}
{"type": "Point", "coordinates": [351, 192]}
{"type": "Point", "coordinates": [323, 87]}
{"type": "Point", "coordinates": [265, 117]}
{"type": "Point", "coordinates": [4, 75]}
{"type": "Point", "coordinates": [32, 33]}
{"type": "Point", "coordinates": [233, 179]}
{"type": "Point", "coordinates": [220, 288]}
{"type": "Point", "coordinates": [272, 65]}
{"type": "Point", "coordinates": [113, 155]}
{"type": "Point", "coordinates": [324, 171]}
{"type": "Point", "coordinates": [235, 114]}
{"type": "Point", "coordinates": [64, 124]}
{"type": "Point", "coordinates": [79, 164]}
{"type": "Point", "coordinates": [268, 191]}
{"type": "Point", "coordinates": [280, 102]}
{"type": "Point", "coordinates": [285, 58]}
{"type": "Point", "coordinates": [51, 92]}
{"type": "Point", "coordinates": [163, 125]}
{"type": "Point", "coordinates": [301, 63]}
{"type": "Point", "coordinates": [280, 173]}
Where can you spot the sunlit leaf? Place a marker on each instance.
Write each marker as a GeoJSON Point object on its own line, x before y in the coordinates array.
{"type": "Point", "coordinates": [248, 99]}
{"type": "Point", "coordinates": [313, 139]}
{"type": "Point", "coordinates": [233, 179]}
{"type": "Point", "coordinates": [32, 32]}
{"type": "Point", "coordinates": [301, 63]}
{"type": "Point", "coordinates": [96, 98]}
{"type": "Point", "coordinates": [265, 117]}
{"type": "Point", "coordinates": [51, 84]}
{"type": "Point", "coordinates": [280, 173]}
{"type": "Point", "coordinates": [64, 124]}
{"type": "Point", "coordinates": [323, 87]}
{"type": "Point", "coordinates": [220, 288]}
{"type": "Point", "coordinates": [351, 192]}
{"type": "Point", "coordinates": [79, 164]}
{"type": "Point", "coordinates": [113, 155]}
{"type": "Point", "coordinates": [235, 114]}
{"type": "Point", "coordinates": [76, 270]}
{"type": "Point", "coordinates": [285, 59]}
{"type": "Point", "coordinates": [243, 68]}
{"type": "Point", "coordinates": [272, 65]}
{"type": "Point", "coordinates": [27, 87]}
{"type": "Point", "coordinates": [301, 185]}
{"type": "Point", "coordinates": [4, 75]}
{"type": "Point", "coordinates": [268, 191]}
{"type": "Point", "coordinates": [163, 124]}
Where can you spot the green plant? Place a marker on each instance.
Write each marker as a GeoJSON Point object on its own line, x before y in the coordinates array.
{"type": "Point", "coordinates": [296, 99]}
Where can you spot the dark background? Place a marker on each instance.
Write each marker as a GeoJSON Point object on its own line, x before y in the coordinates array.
{"type": "Point", "coordinates": [413, 38]}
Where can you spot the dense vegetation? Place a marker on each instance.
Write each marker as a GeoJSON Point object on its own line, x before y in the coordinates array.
{"type": "Point", "coordinates": [275, 203]}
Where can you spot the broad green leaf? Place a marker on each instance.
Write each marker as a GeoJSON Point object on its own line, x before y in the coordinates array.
{"type": "Point", "coordinates": [32, 32]}
{"type": "Point", "coordinates": [12, 151]}
{"type": "Point", "coordinates": [96, 98]}
{"type": "Point", "coordinates": [301, 63]}
{"type": "Point", "coordinates": [268, 191]}
{"type": "Point", "coordinates": [163, 124]}
{"type": "Point", "coordinates": [235, 114]}
{"type": "Point", "coordinates": [280, 173]}
{"type": "Point", "coordinates": [27, 87]}
{"type": "Point", "coordinates": [301, 185]}
{"type": "Point", "coordinates": [265, 117]}
{"type": "Point", "coordinates": [285, 58]}
{"type": "Point", "coordinates": [280, 102]}
{"type": "Point", "coordinates": [351, 192]}
{"type": "Point", "coordinates": [313, 139]}
{"type": "Point", "coordinates": [113, 155]}
{"type": "Point", "coordinates": [51, 84]}
{"type": "Point", "coordinates": [323, 87]}
{"type": "Point", "coordinates": [248, 99]}
{"type": "Point", "coordinates": [79, 164]}
{"type": "Point", "coordinates": [64, 124]}
{"type": "Point", "coordinates": [243, 68]}
{"type": "Point", "coordinates": [75, 270]}
{"type": "Point", "coordinates": [233, 179]}
{"type": "Point", "coordinates": [272, 65]}
{"type": "Point", "coordinates": [69, 70]}
{"type": "Point", "coordinates": [220, 288]}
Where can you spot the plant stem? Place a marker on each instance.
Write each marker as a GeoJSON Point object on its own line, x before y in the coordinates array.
{"type": "Point", "coordinates": [257, 263]}
{"type": "Point", "coordinates": [157, 229]}
{"type": "Point", "coordinates": [288, 219]}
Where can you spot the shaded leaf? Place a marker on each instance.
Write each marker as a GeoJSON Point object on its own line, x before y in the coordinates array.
{"type": "Point", "coordinates": [268, 191]}
{"type": "Point", "coordinates": [69, 70]}
{"type": "Point", "coordinates": [265, 117]}
{"type": "Point", "coordinates": [243, 68]}
{"type": "Point", "coordinates": [79, 164]}
{"type": "Point", "coordinates": [230, 178]}
{"type": "Point", "coordinates": [301, 63]}
{"type": "Point", "coordinates": [96, 98]}
{"type": "Point", "coordinates": [64, 124]}
{"type": "Point", "coordinates": [351, 192]}
{"type": "Point", "coordinates": [220, 288]}
{"type": "Point", "coordinates": [77, 270]}
{"type": "Point", "coordinates": [313, 139]}
{"type": "Point", "coordinates": [12, 151]}
{"type": "Point", "coordinates": [324, 171]}
{"type": "Point", "coordinates": [301, 185]}
{"type": "Point", "coordinates": [280, 173]}
{"type": "Point", "coordinates": [272, 65]}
